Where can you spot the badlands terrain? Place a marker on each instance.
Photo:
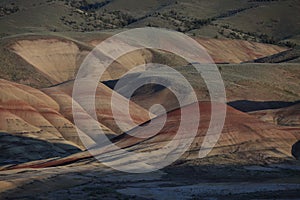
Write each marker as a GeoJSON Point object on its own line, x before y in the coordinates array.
{"type": "Point", "coordinates": [44, 153]}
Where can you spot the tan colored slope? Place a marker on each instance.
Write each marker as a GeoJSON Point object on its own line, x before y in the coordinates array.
{"type": "Point", "coordinates": [237, 51]}
{"type": "Point", "coordinates": [128, 61]}
{"type": "Point", "coordinates": [11, 91]}
{"type": "Point", "coordinates": [131, 59]}
{"type": "Point", "coordinates": [32, 113]}
{"type": "Point", "coordinates": [63, 92]}
{"type": "Point", "coordinates": [16, 125]}
{"type": "Point", "coordinates": [45, 118]}
{"type": "Point", "coordinates": [221, 51]}
{"type": "Point", "coordinates": [47, 115]}
{"type": "Point", "coordinates": [224, 50]}
{"type": "Point", "coordinates": [57, 59]}
{"type": "Point", "coordinates": [65, 102]}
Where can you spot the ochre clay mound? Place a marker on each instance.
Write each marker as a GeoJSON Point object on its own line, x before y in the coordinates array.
{"type": "Point", "coordinates": [62, 94]}
{"type": "Point", "coordinates": [29, 112]}
{"type": "Point", "coordinates": [65, 102]}
{"type": "Point", "coordinates": [221, 50]}
{"type": "Point", "coordinates": [45, 118]}
{"type": "Point", "coordinates": [244, 138]}
{"type": "Point", "coordinates": [48, 115]}
{"type": "Point", "coordinates": [57, 59]}
{"type": "Point", "coordinates": [237, 51]}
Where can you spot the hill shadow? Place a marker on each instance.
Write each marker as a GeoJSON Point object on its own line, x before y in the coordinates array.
{"type": "Point", "coordinates": [19, 149]}
{"type": "Point", "coordinates": [249, 106]}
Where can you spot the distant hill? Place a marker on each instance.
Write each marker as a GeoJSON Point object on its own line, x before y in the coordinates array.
{"type": "Point", "coordinates": [255, 20]}
{"type": "Point", "coordinates": [56, 58]}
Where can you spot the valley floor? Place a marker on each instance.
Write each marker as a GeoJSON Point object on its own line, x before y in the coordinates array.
{"type": "Point", "coordinates": [91, 180]}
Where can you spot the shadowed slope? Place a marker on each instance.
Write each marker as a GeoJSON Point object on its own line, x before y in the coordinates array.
{"type": "Point", "coordinates": [20, 149]}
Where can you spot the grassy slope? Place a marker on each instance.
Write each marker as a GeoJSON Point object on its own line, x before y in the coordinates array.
{"type": "Point", "coordinates": [278, 19]}
{"type": "Point", "coordinates": [34, 16]}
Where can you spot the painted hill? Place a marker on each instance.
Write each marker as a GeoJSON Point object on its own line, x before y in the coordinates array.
{"type": "Point", "coordinates": [45, 117]}
{"type": "Point", "coordinates": [29, 112]}
{"type": "Point", "coordinates": [228, 51]}
{"type": "Point", "coordinates": [243, 136]}
{"type": "Point", "coordinates": [244, 140]}
{"type": "Point", "coordinates": [56, 59]}
{"type": "Point", "coordinates": [255, 44]}
{"type": "Point", "coordinates": [62, 93]}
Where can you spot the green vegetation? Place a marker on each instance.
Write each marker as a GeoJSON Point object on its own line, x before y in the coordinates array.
{"type": "Point", "coordinates": [8, 10]}
{"type": "Point", "coordinates": [233, 19]}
